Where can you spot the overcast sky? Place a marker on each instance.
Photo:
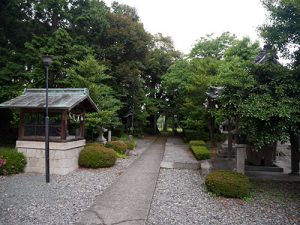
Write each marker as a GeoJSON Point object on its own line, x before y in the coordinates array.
{"type": "Point", "coordinates": [186, 21]}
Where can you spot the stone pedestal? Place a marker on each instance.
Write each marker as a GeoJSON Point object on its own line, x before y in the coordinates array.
{"type": "Point", "coordinates": [109, 135]}
{"type": "Point", "coordinates": [101, 138]}
{"type": "Point", "coordinates": [63, 155]}
{"type": "Point", "coordinates": [240, 158]}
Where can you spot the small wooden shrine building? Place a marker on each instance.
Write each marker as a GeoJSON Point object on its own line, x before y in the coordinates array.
{"type": "Point", "coordinates": [67, 108]}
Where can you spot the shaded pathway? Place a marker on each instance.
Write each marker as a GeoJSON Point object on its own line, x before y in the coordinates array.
{"type": "Point", "coordinates": [127, 202]}
{"type": "Point", "coordinates": [178, 155]}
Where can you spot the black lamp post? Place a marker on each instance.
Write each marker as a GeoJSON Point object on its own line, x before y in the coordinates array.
{"type": "Point", "coordinates": [47, 60]}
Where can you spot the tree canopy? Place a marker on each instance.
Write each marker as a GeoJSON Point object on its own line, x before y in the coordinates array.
{"type": "Point", "coordinates": [132, 72]}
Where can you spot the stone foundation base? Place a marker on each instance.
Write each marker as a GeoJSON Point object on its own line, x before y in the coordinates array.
{"type": "Point", "coordinates": [63, 156]}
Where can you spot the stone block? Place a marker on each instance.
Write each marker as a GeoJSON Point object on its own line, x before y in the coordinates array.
{"type": "Point", "coordinates": [54, 163]}
{"type": "Point", "coordinates": [40, 153]}
{"type": "Point", "coordinates": [32, 162]}
{"type": "Point", "coordinates": [22, 150]}
{"type": "Point", "coordinates": [31, 152]}
{"type": "Point", "coordinates": [63, 156]}
{"type": "Point", "coordinates": [52, 154]}
{"type": "Point", "coordinates": [61, 171]}
{"type": "Point", "coordinates": [59, 154]}
{"type": "Point", "coordinates": [34, 170]}
{"type": "Point", "coordinates": [41, 162]}
{"type": "Point", "coordinates": [240, 158]}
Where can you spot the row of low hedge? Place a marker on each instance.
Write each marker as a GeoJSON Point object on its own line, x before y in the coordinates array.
{"type": "Point", "coordinates": [199, 149]}
{"type": "Point", "coordinates": [97, 156]}
{"type": "Point", "coordinates": [11, 162]}
{"type": "Point", "coordinates": [201, 152]}
{"type": "Point", "coordinates": [221, 183]}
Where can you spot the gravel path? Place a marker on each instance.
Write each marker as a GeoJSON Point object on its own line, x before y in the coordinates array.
{"type": "Point", "coordinates": [181, 198]}
{"type": "Point", "coordinates": [27, 199]}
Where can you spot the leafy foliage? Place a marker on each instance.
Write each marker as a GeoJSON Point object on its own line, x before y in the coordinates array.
{"type": "Point", "coordinates": [11, 162]}
{"type": "Point", "coordinates": [283, 29]}
{"type": "Point", "coordinates": [209, 47]}
{"type": "Point", "coordinates": [97, 156]}
{"type": "Point", "coordinates": [90, 73]}
{"type": "Point", "coordinates": [118, 146]}
{"type": "Point", "coordinates": [131, 144]}
{"type": "Point", "coordinates": [227, 183]}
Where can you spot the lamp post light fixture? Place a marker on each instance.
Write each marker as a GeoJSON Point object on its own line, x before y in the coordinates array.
{"type": "Point", "coordinates": [47, 60]}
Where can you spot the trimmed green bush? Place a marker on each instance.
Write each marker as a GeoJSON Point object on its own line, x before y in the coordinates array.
{"type": "Point", "coordinates": [200, 152]}
{"type": "Point", "coordinates": [227, 183]}
{"type": "Point", "coordinates": [118, 146]}
{"type": "Point", "coordinates": [130, 144]}
{"type": "Point", "coordinates": [11, 162]}
{"type": "Point", "coordinates": [196, 143]}
{"type": "Point", "coordinates": [97, 156]}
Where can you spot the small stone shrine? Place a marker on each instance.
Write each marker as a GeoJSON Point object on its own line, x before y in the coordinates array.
{"type": "Point", "coordinates": [67, 108]}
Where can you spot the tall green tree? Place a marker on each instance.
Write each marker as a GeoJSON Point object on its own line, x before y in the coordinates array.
{"type": "Point", "coordinates": [65, 51]}
{"type": "Point", "coordinates": [160, 57]}
{"type": "Point", "coordinates": [88, 22]}
{"type": "Point", "coordinates": [14, 32]}
{"type": "Point", "coordinates": [283, 32]}
{"type": "Point", "coordinates": [89, 73]}
{"type": "Point", "coordinates": [209, 46]}
{"type": "Point", "coordinates": [125, 48]}
{"type": "Point", "coordinates": [283, 27]}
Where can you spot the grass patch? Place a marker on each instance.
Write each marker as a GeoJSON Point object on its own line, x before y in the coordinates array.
{"type": "Point", "coordinates": [131, 144]}
{"type": "Point", "coordinates": [121, 156]}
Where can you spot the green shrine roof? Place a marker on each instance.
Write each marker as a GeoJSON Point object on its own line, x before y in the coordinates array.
{"type": "Point", "coordinates": [58, 98]}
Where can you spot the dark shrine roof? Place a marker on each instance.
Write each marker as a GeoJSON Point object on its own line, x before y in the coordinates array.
{"type": "Point", "coordinates": [58, 98]}
{"type": "Point", "coordinates": [266, 55]}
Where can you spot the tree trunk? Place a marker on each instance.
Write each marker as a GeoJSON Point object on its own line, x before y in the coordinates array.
{"type": "Point", "coordinates": [165, 123]}
{"type": "Point", "coordinates": [174, 125]}
{"type": "Point", "coordinates": [155, 124]}
{"type": "Point", "coordinates": [152, 126]}
{"type": "Point", "coordinates": [212, 131]}
{"type": "Point", "coordinates": [229, 151]}
{"type": "Point", "coordinates": [54, 20]}
{"type": "Point", "coordinates": [294, 139]}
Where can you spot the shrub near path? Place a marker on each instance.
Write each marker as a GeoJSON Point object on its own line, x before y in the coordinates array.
{"type": "Point", "coordinates": [227, 183]}
{"type": "Point", "coordinates": [118, 146]}
{"type": "Point", "coordinates": [11, 161]}
{"type": "Point", "coordinates": [97, 156]}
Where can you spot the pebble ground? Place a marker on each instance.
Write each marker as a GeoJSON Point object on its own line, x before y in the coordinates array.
{"type": "Point", "coordinates": [25, 199]}
{"type": "Point", "coordinates": [181, 198]}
